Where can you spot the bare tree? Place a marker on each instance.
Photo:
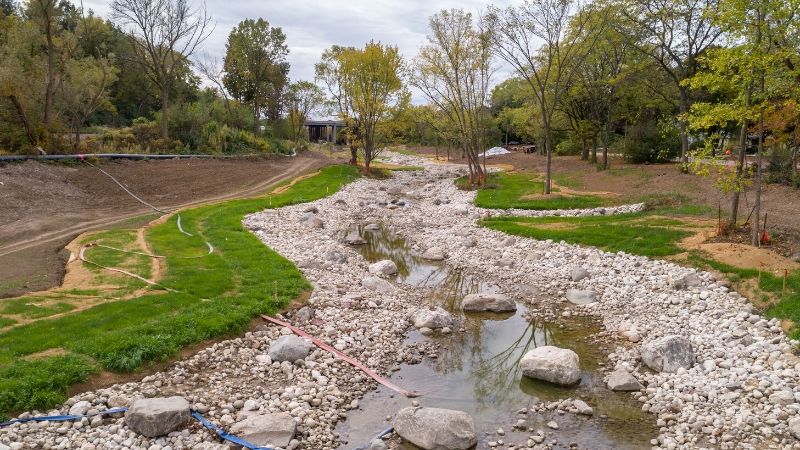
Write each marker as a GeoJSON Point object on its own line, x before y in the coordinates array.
{"type": "Point", "coordinates": [543, 40]}
{"type": "Point", "coordinates": [211, 68]}
{"type": "Point", "coordinates": [453, 71]}
{"type": "Point", "coordinates": [674, 33]}
{"type": "Point", "coordinates": [163, 35]}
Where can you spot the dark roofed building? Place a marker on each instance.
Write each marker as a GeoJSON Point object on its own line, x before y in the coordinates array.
{"type": "Point", "coordinates": [323, 130]}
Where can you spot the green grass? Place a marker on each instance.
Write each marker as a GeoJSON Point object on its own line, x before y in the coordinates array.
{"type": "Point", "coordinates": [784, 304]}
{"type": "Point", "coordinates": [5, 321]}
{"type": "Point", "coordinates": [637, 234]}
{"type": "Point", "coordinates": [507, 190]}
{"type": "Point", "coordinates": [218, 295]}
{"type": "Point", "coordinates": [33, 308]}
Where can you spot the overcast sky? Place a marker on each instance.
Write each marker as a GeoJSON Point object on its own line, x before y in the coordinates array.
{"type": "Point", "coordinates": [311, 26]}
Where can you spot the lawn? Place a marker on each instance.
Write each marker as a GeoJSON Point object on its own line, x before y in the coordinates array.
{"type": "Point", "coordinates": [524, 191]}
{"type": "Point", "coordinates": [216, 295]}
{"type": "Point", "coordinates": [638, 234]}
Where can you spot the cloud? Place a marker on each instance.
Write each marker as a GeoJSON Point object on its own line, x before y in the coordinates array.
{"type": "Point", "coordinates": [311, 26]}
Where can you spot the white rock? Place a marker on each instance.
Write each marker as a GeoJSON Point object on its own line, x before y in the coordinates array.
{"type": "Point", "coordinates": [553, 364]}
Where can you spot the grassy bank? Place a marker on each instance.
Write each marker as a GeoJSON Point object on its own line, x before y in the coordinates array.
{"type": "Point", "coordinates": [638, 234]}
{"type": "Point", "coordinates": [216, 295]}
{"type": "Point", "coordinates": [524, 191]}
{"type": "Point", "coordinates": [657, 233]}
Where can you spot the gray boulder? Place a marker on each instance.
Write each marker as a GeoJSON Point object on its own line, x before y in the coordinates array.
{"type": "Point", "coordinates": [622, 381]}
{"type": "Point", "coordinates": [275, 430]}
{"type": "Point", "coordinates": [488, 302]}
{"type": "Point", "coordinates": [80, 408]}
{"type": "Point", "coordinates": [552, 364]}
{"type": "Point", "coordinates": [153, 417]}
{"type": "Point", "coordinates": [686, 281]}
{"type": "Point", "coordinates": [289, 348]}
{"type": "Point", "coordinates": [794, 427]}
{"type": "Point", "coordinates": [315, 222]}
{"type": "Point", "coordinates": [377, 444]}
{"type": "Point", "coordinates": [431, 318]}
{"type": "Point", "coordinates": [377, 284]}
{"type": "Point", "coordinates": [579, 297]}
{"type": "Point", "coordinates": [305, 314]}
{"type": "Point", "coordinates": [579, 273]}
{"type": "Point", "coordinates": [335, 256]}
{"type": "Point", "coordinates": [354, 238]}
{"type": "Point", "coordinates": [436, 429]}
{"type": "Point", "coordinates": [434, 254]}
{"type": "Point", "coordinates": [668, 354]}
{"type": "Point", "coordinates": [385, 267]}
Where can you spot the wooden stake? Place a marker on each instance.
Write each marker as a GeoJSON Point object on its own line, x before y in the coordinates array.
{"type": "Point", "coordinates": [785, 275]}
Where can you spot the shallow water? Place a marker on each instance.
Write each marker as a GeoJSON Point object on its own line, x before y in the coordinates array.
{"type": "Point", "coordinates": [476, 370]}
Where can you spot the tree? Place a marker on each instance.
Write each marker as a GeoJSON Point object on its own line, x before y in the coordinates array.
{"type": "Point", "coordinates": [163, 34]}
{"type": "Point", "coordinates": [7, 8]}
{"type": "Point", "coordinates": [256, 70]}
{"type": "Point", "coordinates": [372, 82]}
{"type": "Point", "coordinates": [21, 69]}
{"type": "Point", "coordinates": [600, 73]}
{"type": "Point", "coordinates": [754, 68]}
{"type": "Point", "coordinates": [329, 71]}
{"type": "Point", "coordinates": [303, 97]}
{"type": "Point", "coordinates": [674, 33]}
{"type": "Point", "coordinates": [84, 90]}
{"type": "Point", "coordinates": [453, 71]}
{"type": "Point", "coordinates": [47, 15]}
{"type": "Point", "coordinates": [542, 41]}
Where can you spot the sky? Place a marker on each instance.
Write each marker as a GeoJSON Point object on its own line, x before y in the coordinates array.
{"type": "Point", "coordinates": [311, 26]}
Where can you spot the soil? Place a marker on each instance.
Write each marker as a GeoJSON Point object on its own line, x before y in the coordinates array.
{"type": "Point", "coordinates": [46, 205]}
{"type": "Point", "coordinates": [632, 182]}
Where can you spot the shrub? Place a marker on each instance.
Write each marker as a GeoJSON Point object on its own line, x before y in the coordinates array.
{"type": "Point", "coordinates": [226, 140]}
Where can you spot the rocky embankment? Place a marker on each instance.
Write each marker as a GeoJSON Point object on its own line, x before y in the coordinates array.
{"type": "Point", "coordinates": [713, 372]}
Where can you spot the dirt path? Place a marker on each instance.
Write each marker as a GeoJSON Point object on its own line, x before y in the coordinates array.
{"type": "Point", "coordinates": [48, 205]}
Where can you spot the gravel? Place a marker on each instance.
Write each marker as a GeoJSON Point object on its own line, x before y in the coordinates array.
{"type": "Point", "coordinates": [741, 392]}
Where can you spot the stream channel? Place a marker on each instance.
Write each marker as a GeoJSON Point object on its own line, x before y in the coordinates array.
{"type": "Point", "coordinates": [476, 369]}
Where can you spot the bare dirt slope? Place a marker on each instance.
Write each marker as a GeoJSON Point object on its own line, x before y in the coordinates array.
{"type": "Point", "coordinates": [44, 206]}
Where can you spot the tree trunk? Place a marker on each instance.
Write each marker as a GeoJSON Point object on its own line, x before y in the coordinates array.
{"type": "Point", "coordinates": [584, 150]}
{"type": "Point", "coordinates": [49, 90]}
{"type": "Point", "coordinates": [548, 147]}
{"type": "Point", "coordinates": [164, 108]}
{"type": "Point", "coordinates": [605, 149]}
{"type": "Point", "coordinates": [24, 119]}
{"type": "Point", "coordinates": [742, 155]}
{"type": "Point", "coordinates": [684, 108]}
{"type": "Point", "coordinates": [759, 179]}
{"type": "Point", "coordinates": [256, 117]}
{"type": "Point", "coordinates": [594, 149]}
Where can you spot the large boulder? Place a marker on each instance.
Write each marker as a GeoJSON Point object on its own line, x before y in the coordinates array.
{"type": "Point", "coordinates": [668, 354]}
{"type": "Point", "coordinates": [275, 430]}
{"type": "Point", "coordinates": [578, 274]}
{"type": "Point", "coordinates": [431, 318]}
{"type": "Point", "coordinates": [354, 238]}
{"type": "Point", "coordinates": [436, 429]}
{"type": "Point", "coordinates": [153, 417]}
{"type": "Point", "coordinates": [434, 254]}
{"type": "Point", "coordinates": [622, 380]}
{"type": "Point", "coordinates": [385, 267]}
{"type": "Point", "coordinates": [553, 364]}
{"type": "Point", "coordinates": [289, 348]}
{"type": "Point", "coordinates": [794, 427]}
{"type": "Point", "coordinates": [488, 302]}
{"type": "Point", "coordinates": [579, 297]}
{"type": "Point", "coordinates": [377, 284]}
{"type": "Point", "coordinates": [686, 281]}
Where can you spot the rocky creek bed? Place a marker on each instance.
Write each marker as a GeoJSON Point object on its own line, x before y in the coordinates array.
{"type": "Point", "coordinates": [724, 376]}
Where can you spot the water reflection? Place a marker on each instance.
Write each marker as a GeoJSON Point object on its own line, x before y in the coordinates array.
{"type": "Point", "coordinates": [477, 371]}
